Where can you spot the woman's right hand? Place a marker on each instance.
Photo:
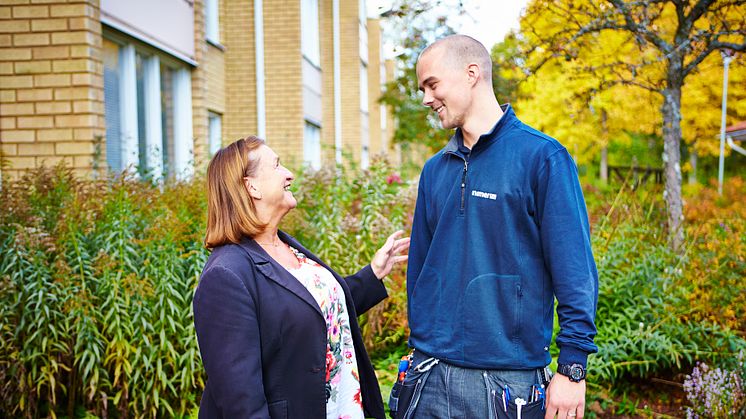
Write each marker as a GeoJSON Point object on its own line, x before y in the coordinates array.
{"type": "Point", "coordinates": [389, 254]}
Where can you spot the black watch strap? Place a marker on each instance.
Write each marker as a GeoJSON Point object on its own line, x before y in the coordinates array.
{"type": "Point", "coordinates": [575, 372]}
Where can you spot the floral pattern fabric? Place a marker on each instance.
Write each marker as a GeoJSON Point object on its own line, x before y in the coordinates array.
{"type": "Point", "coordinates": [343, 399]}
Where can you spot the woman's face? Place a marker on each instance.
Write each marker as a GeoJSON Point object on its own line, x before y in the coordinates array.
{"type": "Point", "coordinates": [270, 187]}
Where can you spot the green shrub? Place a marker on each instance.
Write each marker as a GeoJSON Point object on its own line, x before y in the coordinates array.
{"type": "Point", "coordinates": [96, 284]}
{"type": "Point", "coordinates": [644, 317]}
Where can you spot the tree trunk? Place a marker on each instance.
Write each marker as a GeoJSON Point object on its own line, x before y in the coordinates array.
{"type": "Point", "coordinates": [604, 148]}
{"type": "Point", "coordinates": [671, 111]}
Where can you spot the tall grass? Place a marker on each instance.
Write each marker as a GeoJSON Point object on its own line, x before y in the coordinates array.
{"type": "Point", "coordinates": [95, 296]}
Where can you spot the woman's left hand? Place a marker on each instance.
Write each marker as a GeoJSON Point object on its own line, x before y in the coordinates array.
{"type": "Point", "coordinates": [389, 254]}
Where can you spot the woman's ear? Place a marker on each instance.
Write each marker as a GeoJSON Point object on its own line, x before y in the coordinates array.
{"type": "Point", "coordinates": [253, 192]}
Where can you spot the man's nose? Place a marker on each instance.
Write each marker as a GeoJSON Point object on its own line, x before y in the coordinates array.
{"type": "Point", "coordinates": [427, 99]}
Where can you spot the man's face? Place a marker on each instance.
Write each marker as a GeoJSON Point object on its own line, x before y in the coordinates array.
{"type": "Point", "coordinates": [445, 86]}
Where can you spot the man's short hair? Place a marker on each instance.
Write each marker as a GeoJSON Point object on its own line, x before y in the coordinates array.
{"type": "Point", "coordinates": [462, 50]}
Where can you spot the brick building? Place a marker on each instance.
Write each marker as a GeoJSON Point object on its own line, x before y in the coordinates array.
{"type": "Point", "coordinates": [158, 86]}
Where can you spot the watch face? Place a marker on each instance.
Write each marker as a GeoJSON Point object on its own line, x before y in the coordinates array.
{"type": "Point", "coordinates": [576, 373]}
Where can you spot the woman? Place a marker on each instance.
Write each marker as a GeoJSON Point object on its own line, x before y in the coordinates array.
{"type": "Point", "coordinates": [277, 328]}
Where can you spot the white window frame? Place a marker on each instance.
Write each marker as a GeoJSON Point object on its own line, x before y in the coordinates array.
{"type": "Point", "coordinates": [312, 145]}
{"type": "Point", "coordinates": [183, 139]}
{"type": "Point", "coordinates": [212, 21]}
{"type": "Point", "coordinates": [153, 122]}
{"type": "Point", "coordinates": [364, 105]}
{"type": "Point", "coordinates": [215, 135]}
{"type": "Point", "coordinates": [310, 38]}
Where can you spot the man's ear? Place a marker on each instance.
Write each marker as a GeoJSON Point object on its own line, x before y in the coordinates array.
{"type": "Point", "coordinates": [253, 192]}
{"type": "Point", "coordinates": [473, 72]}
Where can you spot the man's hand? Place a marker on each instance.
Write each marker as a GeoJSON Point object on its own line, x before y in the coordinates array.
{"type": "Point", "coordinates": [565, 399]}
{"type": "Point", "coordinates": [389, 254]}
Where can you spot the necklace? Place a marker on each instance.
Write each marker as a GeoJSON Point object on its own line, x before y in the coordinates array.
{"type": "Point", "coordinates": [270, 244]}
{"type": "Point", "coordinates": [273, 244]}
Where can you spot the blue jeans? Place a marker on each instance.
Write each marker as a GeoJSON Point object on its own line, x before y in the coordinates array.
{"type": "Point", "coordinates": [448, 391]}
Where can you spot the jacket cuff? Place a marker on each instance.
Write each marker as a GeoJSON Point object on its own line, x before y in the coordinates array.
{"type": "Point", "coordinates": [570, 355]}
{"type": "Point", "coordinates": [368, 275]}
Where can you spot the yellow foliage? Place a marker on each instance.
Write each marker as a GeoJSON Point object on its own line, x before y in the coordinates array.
{"type": "Point", "coordinates": [573, 97]}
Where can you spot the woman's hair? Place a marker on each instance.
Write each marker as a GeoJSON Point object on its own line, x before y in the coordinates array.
{"type": "Point", "coordinates": [231, 213]}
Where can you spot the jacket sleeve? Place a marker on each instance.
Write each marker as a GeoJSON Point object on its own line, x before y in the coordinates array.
{"type": "Point", "coordinates": [366, 289]}
{"type": "Point", "coordinates": [225, 319]}
{"type": "Point", "coordinates": [565, 239]}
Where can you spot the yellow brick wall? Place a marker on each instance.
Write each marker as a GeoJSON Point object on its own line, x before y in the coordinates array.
{"type": "Point", "coordinates": [374, 87]}
{"type": "Point", "coordinates": [283, 79]}
{"type": "Point", "coordinates": [239, 119]}
{"type": "Point", "coordinates": [208, 83]}
{"type": "Point", "coordinates": [215, 67]}
{"type": "Point", "coordinates": [199, 90]}
{"type": "Point", "coordinates": [51, 85]}
{"type": "Point", "coordinates": [350, 61]}
{"type": "Point", "coordinates": [326, 40]}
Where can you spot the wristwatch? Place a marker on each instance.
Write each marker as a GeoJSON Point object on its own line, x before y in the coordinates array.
{"type": "Point", "coordinates": [575, 372]}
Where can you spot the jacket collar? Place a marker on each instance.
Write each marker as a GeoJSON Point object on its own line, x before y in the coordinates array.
{"type": "Point", "coordinates": [456, 143]}
{"type": "Point", "coordinates": [277, 273]}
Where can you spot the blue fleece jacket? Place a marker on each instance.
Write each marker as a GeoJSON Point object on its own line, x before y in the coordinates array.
{"type": "Point", "coordinates": [498, 232]}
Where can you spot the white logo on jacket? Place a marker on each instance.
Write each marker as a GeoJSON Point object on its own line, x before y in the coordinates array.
{"type": "Point", "coordinates": [487, 195]}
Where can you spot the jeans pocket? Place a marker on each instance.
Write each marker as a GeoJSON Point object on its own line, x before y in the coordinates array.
{"type": "Point", "coordinates": [533, 410]}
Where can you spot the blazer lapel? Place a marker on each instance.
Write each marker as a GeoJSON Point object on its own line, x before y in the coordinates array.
{"type": "Point", "coordinates": [277, 273]}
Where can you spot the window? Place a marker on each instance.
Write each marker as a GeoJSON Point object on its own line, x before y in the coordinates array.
{"type": "Point", "coordinates": [111, 105]}
{"type": "Point", "coordinates": [363, 87]}
{"type": "Point", "coordinates": [364, 117]}
{"type": "Point", "coordinates": [212, 21]}
{"type": "Point", "coordinates": [312, 145]}
{"type": "Point", "coordinates": [147, 110]}
{"type": "Point", "coordinates": [214, 127]}
{"type": "Point", "coordinates": [309, 11]}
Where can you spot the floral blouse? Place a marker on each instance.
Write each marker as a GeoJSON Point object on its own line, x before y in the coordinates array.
{"type": "Point", "coordinates": [343, 399]}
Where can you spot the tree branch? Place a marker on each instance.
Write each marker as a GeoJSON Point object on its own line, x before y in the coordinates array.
{"type": "Point", "coordinates": [713, 46]}
{"type": "Point", "coordinates": [640, 31]}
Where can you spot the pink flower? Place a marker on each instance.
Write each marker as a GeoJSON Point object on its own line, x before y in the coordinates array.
{"type": "Point", "coordinates": [393, 178]}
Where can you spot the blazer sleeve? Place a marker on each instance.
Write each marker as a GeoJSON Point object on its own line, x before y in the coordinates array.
{"type": "Point", "coordinates": [225, 319]}
{"type": "Point", "coordinates": [366, 289]}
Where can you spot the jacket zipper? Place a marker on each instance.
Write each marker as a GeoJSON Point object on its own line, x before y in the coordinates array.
{"type": "Point", "coordinates": [463, 183]}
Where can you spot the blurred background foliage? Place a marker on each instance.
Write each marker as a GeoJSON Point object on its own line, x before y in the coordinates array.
{"type": "Point", "coordinates": [97, 276]}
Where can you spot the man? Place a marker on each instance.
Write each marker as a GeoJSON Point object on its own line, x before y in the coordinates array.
{"type": "Point", "coordinates": [500, 229]}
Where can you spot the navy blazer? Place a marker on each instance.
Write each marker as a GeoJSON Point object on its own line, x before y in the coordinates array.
{"type": "Point", "coordinates": [263, 338]}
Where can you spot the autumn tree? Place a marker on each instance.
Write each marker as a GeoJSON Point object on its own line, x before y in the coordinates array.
{"type": "Point", "coordinates": [672, 39]}
{"type": "Point", "coordinates": [583, 112]}
{"type": "Point", "coordinates": [701, 107]}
